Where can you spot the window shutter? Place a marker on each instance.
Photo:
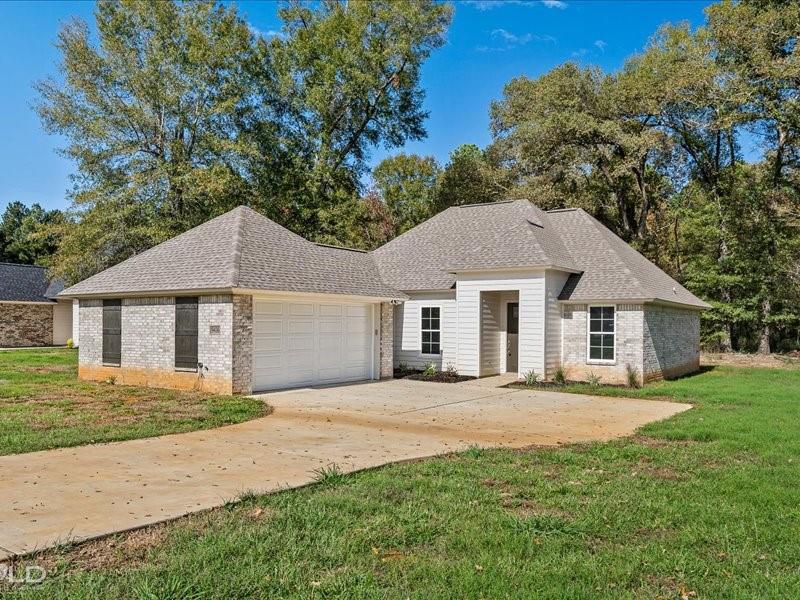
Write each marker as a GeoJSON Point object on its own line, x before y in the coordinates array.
{"type": "Point", "coordinates": [186, 333]}
{"type": "Point", "coordinates": [112, 332]}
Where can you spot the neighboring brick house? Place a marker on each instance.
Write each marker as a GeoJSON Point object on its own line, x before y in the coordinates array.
{"type": "Point", "coordinates": [30, 312]}
{"type": "Point", "coordinates": [241, 304]}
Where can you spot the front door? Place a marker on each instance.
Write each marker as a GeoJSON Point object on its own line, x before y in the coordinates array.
{"type": "Point", "coordinates": [512, 335]}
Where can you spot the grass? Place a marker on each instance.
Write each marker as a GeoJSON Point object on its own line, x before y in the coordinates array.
{"type": "Point", "coordinates": [44, 405]}
{"type": "Point", "coordinates": [703, 505]}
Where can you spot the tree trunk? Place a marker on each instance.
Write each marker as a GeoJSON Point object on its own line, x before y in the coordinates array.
{"type": "Point", "coordinates": [763, 338]}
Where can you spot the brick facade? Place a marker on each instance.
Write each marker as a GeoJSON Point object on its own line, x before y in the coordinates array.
{"type": "Point", "coordinates": [387, 341]}
{"type": "Point", "coordinates": [671, 342]}
{"type": "Point", "coordinates": [575, 356]}
{"type": "Point", "coordinates": [654, 340]}
{"type": "Point", "coordinates": [148, 344]}
{"type": "Point", "coordinates": [242, 374]}
{"type": "Point", "coordinates": [25, 324]}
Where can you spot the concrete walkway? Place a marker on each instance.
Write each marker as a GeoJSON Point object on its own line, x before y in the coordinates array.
{"type": "Point", "coordinates": [78, 493]}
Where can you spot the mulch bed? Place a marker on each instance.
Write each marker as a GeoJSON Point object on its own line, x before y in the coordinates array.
{"type": "Point", "coordinates": [439, 377]}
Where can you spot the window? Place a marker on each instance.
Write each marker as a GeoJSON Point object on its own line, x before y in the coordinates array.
{"type": "Point", "coordinates": [431, 330]}
{"type": "Point", "coordinates": [186, 333]}
{"type": "Point", "coordinates": [601, 333]}
{"type": "Point", "coordinates": [112, 332]}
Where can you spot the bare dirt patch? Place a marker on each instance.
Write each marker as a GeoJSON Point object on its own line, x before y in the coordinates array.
{"type": "Point", "coordinates": [737, 359]}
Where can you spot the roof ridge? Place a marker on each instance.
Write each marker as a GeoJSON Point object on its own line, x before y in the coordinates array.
{"type": "Point", "coordinates": [10, 264]}
{"type": "Point", "coordinates": [567, 209]}
{"type": "Point", "coordinates": [474, 204]}
{"type": "Point", "coordinates": [237, 245]}
{"type": "Point", "coordinates": [321, 245]}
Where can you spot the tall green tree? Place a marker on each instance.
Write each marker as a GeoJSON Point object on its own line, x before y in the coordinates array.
{"type": "Point", "coordinates": [406, 183]}
{"type": "Point", "coordinates": [29, 235]}
{"type": "Point", "coordinates": [469, 177]}
{"type": "Point", "coordinates": [179, 112]}
{"type": "Point", "coordinates": [150, 113]}
{"type": "Point", "coordinates": [349, 72]}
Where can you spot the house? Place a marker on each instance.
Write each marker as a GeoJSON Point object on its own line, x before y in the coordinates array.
{"type": "Point", "coordinates": [31, 314]}
{"type": "Point", "coordinates": [241, 304]}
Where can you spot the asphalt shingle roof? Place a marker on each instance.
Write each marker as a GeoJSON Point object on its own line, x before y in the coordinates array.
{"type": "Point", "coordinates": [477, 236]}
{"type": "Point", "coordinates": [611, 269]}
{"type": "Point", "coordinates": [245, 250]}
{"type": "Point", "coordinates": [27, 283]}
{"type": "Point", "coordinates": [240, 249]}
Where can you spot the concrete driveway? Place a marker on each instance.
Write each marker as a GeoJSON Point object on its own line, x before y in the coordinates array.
{"type": "Point", "coordinates": [78, 493]}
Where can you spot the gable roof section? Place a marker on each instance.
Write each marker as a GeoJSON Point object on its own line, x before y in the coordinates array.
{"type": "Point", "coordinates": [27, 283]}
{"type": "Point", "coordinates": [240, 249]}
{"type": "Point", "coordinates": [612, 270]}
{"type": "Point", "coordinates": [498, 235]}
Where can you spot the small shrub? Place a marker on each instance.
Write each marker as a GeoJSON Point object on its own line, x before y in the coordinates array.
{"type": "Point", "coordinates": [70, 343]}
{"type": "Point", "coordinates": [451, 370]}
{"type": "Point", "coordinates": [632, 374]}
{"type": "Point", "coordinates": [402, 367]}
{"type": "Point", "coordinates": [594, 380]}
{"type": "Point", "coordinates": [430, 370]}
{"type": "Point", "coordinates": [531, 377]}
{"type": "Point", "coordinates": [559, 376]}
{"type": "Point", "coordinates": [111, 380]}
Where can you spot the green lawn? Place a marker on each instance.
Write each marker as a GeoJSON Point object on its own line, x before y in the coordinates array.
{"type": "Point", "coordinates": [43, 405]}
{"type": "Point", "coordinates": [704, 505]}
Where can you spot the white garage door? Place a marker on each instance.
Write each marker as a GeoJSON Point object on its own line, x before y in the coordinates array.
{"type": "Point", "coordinates": [310, 343]}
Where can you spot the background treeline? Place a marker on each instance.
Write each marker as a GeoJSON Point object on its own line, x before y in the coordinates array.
{"type": "Point", "coordinates": [177, 112]}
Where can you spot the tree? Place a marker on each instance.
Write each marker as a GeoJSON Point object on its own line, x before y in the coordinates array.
{"type": "Point", "coordinates": [406, 183]}
{"type": "Point", "coordinates": [151, 117]}
{"type": "Point", "coordinates": [179, 113]}
{"type": "Point", "coordinates": [468, 178]}
{"type": "Point", "coordinates": [29, 235]}
{"type": "Point", "coordinates": [575, 133]}
{"type": "Point", "coordinates": [349, 73]}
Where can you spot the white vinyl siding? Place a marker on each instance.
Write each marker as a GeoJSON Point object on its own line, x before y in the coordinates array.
{"type": "Point", "coordinates": [407, 328]}
{"type": "Point", "coordinates": [307, 342]}
{"type": "Point", "coordinates": [531, 287]}
{"type": "Point", "coordinates": [490, 333]}
{"type": "Point", "coordinates": [554, 283]}
{"type": "Point", "coordinates": [62, 322]}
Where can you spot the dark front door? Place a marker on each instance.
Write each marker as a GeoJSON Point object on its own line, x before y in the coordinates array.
{"type": "Point", "coordinates": [512, 337]}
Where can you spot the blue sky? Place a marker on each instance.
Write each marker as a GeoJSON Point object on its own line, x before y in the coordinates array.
{"type": "Point", "coordinates": [489, 42]}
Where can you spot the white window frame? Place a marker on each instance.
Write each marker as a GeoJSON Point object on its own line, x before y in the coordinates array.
{"type": "Point", "coordinates": [422, 308]}
{"type": "Point", "coordinates": [599, 361]}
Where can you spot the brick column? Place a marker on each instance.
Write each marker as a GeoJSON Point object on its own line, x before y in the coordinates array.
{"type": "Point", "coordinates": [387, 341]}
{"type": "Point", "coordinates": [242, 340]}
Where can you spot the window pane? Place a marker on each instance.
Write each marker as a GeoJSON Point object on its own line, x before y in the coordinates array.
{"type": "Point", "coordinates": [426, 348]}
{"type": "Point", "coordinates": [608, 326]}
{"type": "Point", "coordinates": [608, 353]}
{"type": "Point", "coordinates": [595, 325]}
{"type": "Point", "coordinates": [426, 313]}
{"type": "Point", "coordinates": [435, 312]}
{"type": "Point", "coordinates": [594, 353]}
{"type": "Point", "coordinates": [608, 312]}
{"type": "Point", "coordinates": [426, 337]}
{"type": "Point", "coordinates": [608, 341]}
{"type": "Point", "coordinates": [434, 324]}
{"type": "Point", "coordinates": [426, 323]}
{"type": "Point", "coordinates": [595, 340]}
{"type": "Point", "coordinates": [435, 349]}
{"type": "Point", "coordinates": [435, 336]}
{"type": "Point", "coordinates": [595, 312]}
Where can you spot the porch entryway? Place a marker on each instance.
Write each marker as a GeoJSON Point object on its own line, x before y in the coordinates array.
{"type": "Point", "coordinates": [499, 332]}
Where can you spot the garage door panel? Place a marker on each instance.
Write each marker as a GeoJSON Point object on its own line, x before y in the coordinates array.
{"type": "Point", "coordinates": [330, 310]}
{"type": "Point", "coordinates": [305, 343]}
{"type": "Point", "coordinates": [266, 307]}
{"type": "Point", "coordinates": [297, 309]}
